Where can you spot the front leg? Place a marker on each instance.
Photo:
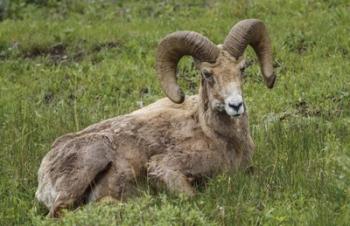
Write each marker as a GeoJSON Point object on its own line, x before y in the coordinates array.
{"type": "Point", "coordinates": [177, 169]}
{"type": "Point", "coordinates": [248, 149]}
{"type": "Point", "coordinates": [162, 169]}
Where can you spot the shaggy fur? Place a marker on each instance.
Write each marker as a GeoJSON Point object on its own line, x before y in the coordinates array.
{"type": "Point", "coordinates": [170, 143]}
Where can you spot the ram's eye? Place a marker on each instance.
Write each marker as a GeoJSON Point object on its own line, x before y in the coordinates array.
{"type": "Point", "coordinates": [207, 75]}
{"type": "Point", "coordinates": [242, 70]}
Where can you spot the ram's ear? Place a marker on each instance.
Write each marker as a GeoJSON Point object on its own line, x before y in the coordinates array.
{"type": "Point", "coordinates": [196, 63]}
{"type": "Point", "coordinates": [242, 63]}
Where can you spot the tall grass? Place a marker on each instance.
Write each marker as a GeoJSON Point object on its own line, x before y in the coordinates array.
{"type": "Point", "coordinates": [67, 64]}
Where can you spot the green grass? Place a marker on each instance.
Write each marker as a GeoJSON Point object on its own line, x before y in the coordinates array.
{"type": "Point", "coordinates": [66, 65]}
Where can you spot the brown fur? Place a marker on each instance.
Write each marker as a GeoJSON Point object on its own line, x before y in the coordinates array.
{"type": "Point", "coordinates": [167, 142]}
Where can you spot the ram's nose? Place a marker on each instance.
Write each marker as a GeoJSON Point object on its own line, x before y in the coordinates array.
{"type": "Point", "coordinates": [234, 105]}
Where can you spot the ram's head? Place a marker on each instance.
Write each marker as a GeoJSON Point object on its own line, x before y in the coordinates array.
{"type": "Point", "coordinates": [220, 66]}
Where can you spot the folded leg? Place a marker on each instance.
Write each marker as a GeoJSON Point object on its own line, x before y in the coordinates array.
{"type": "Point", "coordinates": [67, 173]}
{"type": "Point", "coordinates": [176, 170]}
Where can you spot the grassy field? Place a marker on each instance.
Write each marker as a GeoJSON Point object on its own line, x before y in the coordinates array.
{"type": "Point", "coordinates": [67, 64]}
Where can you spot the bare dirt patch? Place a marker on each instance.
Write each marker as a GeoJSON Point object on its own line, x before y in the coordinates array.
{"type": "Point", "coordinates": [105, 45]}
{"type": "Point", "coordinates": [56, 52]}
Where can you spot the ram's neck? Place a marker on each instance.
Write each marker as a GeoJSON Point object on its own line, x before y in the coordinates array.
{"type": "Point", "coordinates": [217, 124]}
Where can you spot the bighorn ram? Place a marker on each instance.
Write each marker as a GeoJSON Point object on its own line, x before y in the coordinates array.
{"type": "Point", "coordinates": [173, 142]}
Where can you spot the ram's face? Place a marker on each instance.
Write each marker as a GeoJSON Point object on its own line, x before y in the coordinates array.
{"type": "Point", "coordinates": [223, 81]}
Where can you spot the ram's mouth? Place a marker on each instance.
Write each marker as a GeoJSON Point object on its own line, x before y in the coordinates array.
{"type": "Point", "coordinates": [235, 116]}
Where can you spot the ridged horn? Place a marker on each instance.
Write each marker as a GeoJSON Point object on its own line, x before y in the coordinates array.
{"type": "Point", "coordinates": [169, 52]}
{"type": "Point", "coordinates": [254, 33]}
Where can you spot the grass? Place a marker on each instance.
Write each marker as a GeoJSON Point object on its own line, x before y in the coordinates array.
{"type": "Point", "coordinates": [65, 65]}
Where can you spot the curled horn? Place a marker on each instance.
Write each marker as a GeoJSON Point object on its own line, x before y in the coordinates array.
{"type": "Point", "coordinates": [254, 33]}
{"type": "Point", "coordinates": [169, 52]}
